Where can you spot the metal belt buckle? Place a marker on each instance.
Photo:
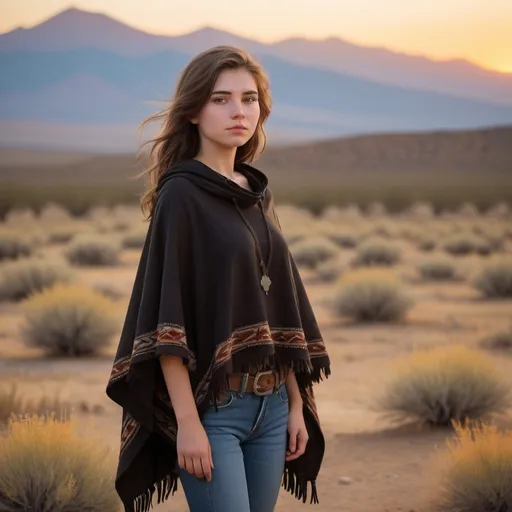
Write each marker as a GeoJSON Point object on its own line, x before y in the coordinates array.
{"type": "Point", "coordinates": [256, 387]}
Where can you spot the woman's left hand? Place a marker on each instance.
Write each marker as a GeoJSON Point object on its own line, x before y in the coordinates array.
{"type": "Point", "coordinates": [298, 434]}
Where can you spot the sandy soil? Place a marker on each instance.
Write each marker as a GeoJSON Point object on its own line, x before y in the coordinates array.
{"type": "Point", "coordinates": [388, 465]}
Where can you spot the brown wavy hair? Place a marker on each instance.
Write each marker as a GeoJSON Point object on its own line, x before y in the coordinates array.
{"type": "Point", "coordinates": [178, 138]}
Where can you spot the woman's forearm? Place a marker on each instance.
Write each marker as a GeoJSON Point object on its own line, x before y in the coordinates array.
{"type": "Point", "coordinates": [292, 388]}
{"type": "Point", "coordinates": [180, 391]}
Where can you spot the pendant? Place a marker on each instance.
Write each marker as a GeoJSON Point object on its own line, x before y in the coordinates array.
{"type": "Point", "coordinates": [265, 283]}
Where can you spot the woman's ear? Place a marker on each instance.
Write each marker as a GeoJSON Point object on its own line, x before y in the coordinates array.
{"type": "Point", "coordinates": [194, 120]}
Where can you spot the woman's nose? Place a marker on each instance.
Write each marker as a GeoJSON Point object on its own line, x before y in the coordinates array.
{"type": "Point", "coordinates": [238, 110]}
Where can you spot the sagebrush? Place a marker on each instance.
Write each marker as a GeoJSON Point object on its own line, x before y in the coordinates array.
{"type": "Point", "coordinates": [68, 320]}
{"type": "Point", "coordinates": [22, 278]}
{"type": "Point", "coordinates": [443, 384]}
{"type": "Point", "coordinates": [494, 279]}
{"type": "Point", "coordinates": [371, 296]}
{"type": "Point", "coordinates": [45, 466]}
{"type": "Point", "coordinates": [475, 472]}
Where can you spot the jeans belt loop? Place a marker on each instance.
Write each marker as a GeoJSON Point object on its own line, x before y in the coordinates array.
{"type": "Point", "coordinates": [243, 385]}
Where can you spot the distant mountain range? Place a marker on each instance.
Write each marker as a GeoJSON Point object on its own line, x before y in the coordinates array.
{"type": "Point", "coordinates": [82, 73]}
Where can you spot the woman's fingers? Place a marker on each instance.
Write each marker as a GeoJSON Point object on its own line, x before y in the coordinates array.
{"type": "Point", "coordinates": [189, 465]}
{"type": "Point", "coordinates": [302, 441]}
{"type": "Point", "coordinates": [293, 440]}
{"type": "Point", "coordinates": [297, 445]}
{"type": "Point", "coordinates": [210, 455]}
{"type": "Point", "coordinates": [207, 469]}
{"type": "Point", "coordinates": [201, 467]}
{"type": "Point", "coordinates": [198, 467]}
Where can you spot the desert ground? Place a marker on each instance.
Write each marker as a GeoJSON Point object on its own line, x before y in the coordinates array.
{"type": "Point", "coordinates": [371, 462]}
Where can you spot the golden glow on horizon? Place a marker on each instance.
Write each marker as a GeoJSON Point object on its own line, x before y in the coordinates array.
{"type": "Point", "coordinates": [457, 29]}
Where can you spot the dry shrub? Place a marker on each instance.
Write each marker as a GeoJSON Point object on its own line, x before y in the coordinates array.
{"type": "Point", "coordinates": [134, 239]}
{"type": "Point", "coordinates": [376, 209]}
{"type": "Point", "coordinates": [20, 279]}
{"type": "Point", "coordinates": [347, 240]}
{"type": "Point", "coordinates": [420, 210]}
{"type": "Point", "coordinates": [475, 472]}
{"type": "Point", "coordinates": [443, 384]}
{"type": "Point", "coordinates": [438, 269]}
{"type": "Point", "coordinates": [12, 404]}
{"type": "Point", "coordinates": [107, 288]}
{"type": "Point", "coordinates": [332, 213]}
{"type": "Point", "coordinates": [53, 212]}
{"type": "Point", "coordinates": [376, 251]}
{"type": "Point", "coordinates": [68, 320]}
{"type": "Point", "coordinates": [329, 271]}
{"type": "Point", "coordinates": [312, 251]}
{"type": "Point", "coordinates": [61, 235]}
{"type": "Point", "coordinates": [381, 230]}
{"type": "Point", "coordinates": [499, 211]}
{"type": "Point", "coordinates": [427, 243]}
{"type": "Point", "coordinates": [45, 466]}
{"type": "Point", "coordinates": [494, 279]}
{"type": "Point", "coordinates": [13, 247]}
{"type": "Point", "coordinates": [496, 240]}
{"type": "Point", "coordinates": [89, 250]}
{"type": "Point", "coordinates": [371, 296]}
{"type": "Point", "coordinates": [409, 232]}
{"type": "Point", "coordinates": [113, 226]}
{"type": "Point", "coordinates": [498, 341]}
{"type": "Point", "coordinates": [468, 210]}
{"type": "Point", "coordinates": [462, 244]}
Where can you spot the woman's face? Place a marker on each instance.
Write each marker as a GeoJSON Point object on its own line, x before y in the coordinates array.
{"type": "Point", "coordinates": [230, 116]}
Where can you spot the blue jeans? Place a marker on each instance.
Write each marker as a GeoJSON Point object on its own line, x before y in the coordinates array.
{"type": "Point", "coordinates": [248, 436]}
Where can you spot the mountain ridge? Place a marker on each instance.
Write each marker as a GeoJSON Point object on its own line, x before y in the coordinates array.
{"type": "Point", "coordinates": [373, 62]}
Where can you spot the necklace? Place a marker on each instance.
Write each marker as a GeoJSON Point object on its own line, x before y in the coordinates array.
{"type": "Point", "coordinates": [265, 279]}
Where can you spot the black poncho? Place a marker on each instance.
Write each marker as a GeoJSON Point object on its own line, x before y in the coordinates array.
{"type": "Point", "coordinates": [198, 294]}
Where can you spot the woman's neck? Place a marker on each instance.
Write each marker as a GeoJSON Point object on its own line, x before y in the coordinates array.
{"type": "Point", "coordinates": [222, 162]}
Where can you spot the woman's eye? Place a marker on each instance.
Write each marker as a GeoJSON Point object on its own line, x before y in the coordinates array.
{"type": "Point", "coordinates": [219, 100]}
{"type": "Point", "coordinates": [251, 99]}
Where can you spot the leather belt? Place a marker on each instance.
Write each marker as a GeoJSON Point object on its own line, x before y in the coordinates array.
{"type": "Point", "coordinates": [262, 384]}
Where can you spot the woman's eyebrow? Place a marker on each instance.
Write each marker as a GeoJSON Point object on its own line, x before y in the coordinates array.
{"type": "Point", "coordinates": [246, 93]}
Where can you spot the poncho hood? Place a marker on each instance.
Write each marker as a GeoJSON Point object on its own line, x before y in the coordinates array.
{"type": "Point", "coordinates": [197, 295]}
{"type": "Point", "coordinates": [215, 183]}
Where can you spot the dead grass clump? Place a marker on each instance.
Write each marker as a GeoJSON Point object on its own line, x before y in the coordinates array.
{"type": "Point", "coordinates": [312, 251]}
{"type": "Point", "coordinates": [494, 279]}
{"type": "Point", "coordinates": [93, 251]}
{"type": "Point", "coordinates": [329, 270]}
{"type": "Point", "coordinates": [20, 279]}
{"type": "Point", "coordinates": [134, 239]}
{"type": "Point", "coordinates": [113, 225]}
{"type": "Point", "coordinates": [461, 244]}
{"type": "Point", "coordinates": [496, 240]}
{"type": "Point", "coordinates": [61, 235]}
{"type": "Point", "coordinates": [13, 404]}
{"type": "Point", "coordinates": [46, 466]}
{"type": "Point", "coordinates": [443, 384]}
{"type": "Point", "coordinates": [107, 288]}
{"type": "Point", "coordinates": [68, 320]}
{"type": "Point", "coordinates": [475, 472]}
{"type": "Point", "coordinates": [371, 297]}
{"type": "Point", "coordinates": [13, 247]}
{"type": "Point", "coordinates": [347, 240]}
{"type": "Point", "coordinates": [499, 211]}
{"type": "Point", "coordinates": [427, 243]}
{"type": "Point", "coordinates": [498, 341]}
{"type": "Point", "coordinates": [376, 252]}
{"type": "Point", "coordinates": [438, 269]}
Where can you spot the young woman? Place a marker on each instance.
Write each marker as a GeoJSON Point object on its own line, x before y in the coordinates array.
{"type": "Point", "coordinates": [220, 347]}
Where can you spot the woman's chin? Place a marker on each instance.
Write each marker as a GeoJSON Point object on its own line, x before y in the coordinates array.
{"type": "Point", "coordinates": [234, 141]}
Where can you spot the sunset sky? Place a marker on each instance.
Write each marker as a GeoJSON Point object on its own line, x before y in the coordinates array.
{"type": "Point", "coordinates": [477, 30]}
